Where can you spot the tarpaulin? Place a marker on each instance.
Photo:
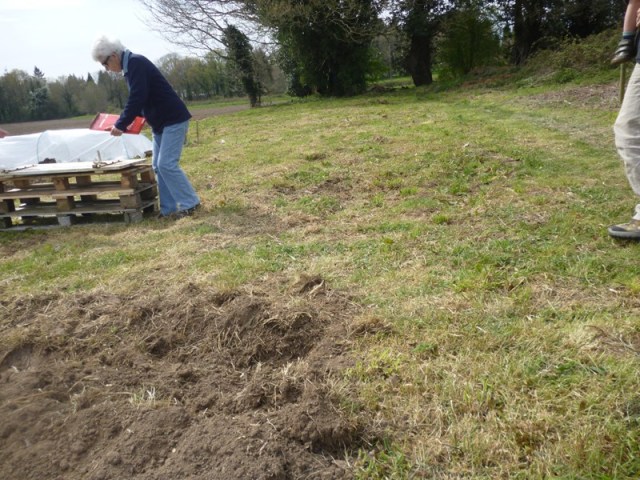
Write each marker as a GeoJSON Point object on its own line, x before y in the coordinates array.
{"type": "Point", "coordinates": [73, 145]}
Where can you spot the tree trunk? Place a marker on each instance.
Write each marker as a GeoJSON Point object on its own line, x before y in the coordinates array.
{"type": "Point", "coordinates": [527, 28]}
{"type": "Point", "coordinates": [418, 61]}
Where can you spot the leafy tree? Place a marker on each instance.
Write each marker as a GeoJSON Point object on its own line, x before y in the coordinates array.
{"type": "Point", "coordinates": [175, 68]}
{"type": "Point", "coordinates": [114, 89]}
{"type": "Point", "coordinates": [93, 99]}
{"type": "Point", "coordinates": [37, 73]}
{"type": "Point", "coordinates": [531, 25]}
{"type": "Point", "coordinates": [271, 77]}
{"type": "Point", "coordinates": [15, 92]}
{"type": "Point", "coordinates": [211, 75]}
{"type": "Point", "coordinates": [325, 42]}
{"type": "Point", "coordinates": [239, 50]}
{"type": "Point", "coordinates": [325, 45]}
{"type": "Point", "coordinates": [64, 95]}
{"type": "Point", "coordinates": [467, 40]}
{"type": "Point", "coordinates": [419, 21]}
{"type": "Point", "coordinates": [40, 107]}
{"type": "Point", "coordinates": [21, 84]}
{"type": "Point", "coordinates": [386, 53]}
{"type": "Point", "coordinates": [581, 19]}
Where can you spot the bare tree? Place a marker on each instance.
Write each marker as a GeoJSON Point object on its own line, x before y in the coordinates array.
{"type": "Point", "coordinates": [200, 24]}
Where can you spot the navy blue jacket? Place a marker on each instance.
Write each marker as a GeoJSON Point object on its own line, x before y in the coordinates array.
{"type": "Point", "coordinates": [150, 95]}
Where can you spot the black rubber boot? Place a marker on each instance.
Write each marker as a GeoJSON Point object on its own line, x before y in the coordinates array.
{"type": "Point", "coordinates": [625, 52]}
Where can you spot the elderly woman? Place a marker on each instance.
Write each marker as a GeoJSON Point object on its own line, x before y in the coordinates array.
{"type": "Point", "coordinates": [151, 96]}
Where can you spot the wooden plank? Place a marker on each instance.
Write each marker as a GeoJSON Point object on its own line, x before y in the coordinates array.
{"type": "Point", "coordinates": [61, 183]}
{"type": "Point", "coordinates": [65, 204]}
{"type": "Point", "coordinates": [51, 210]}
{"type": "Point", "coordinates": [131, 201]}
{"type": "Point", "coordinates": [22, 183]}
{"type": "Point", "coordinates": [7, 206]}
{"type": "Point", "coordinates": [83, 180]}
{"type": "Point", "coordinates": [149, 192]}
{"type": "Point", "coordinates": [96, 188]}
{"type": "Point", "coordinates": [129, 180]}
{"type": "Point", "coordinates": [148, 176]}
{"type": "Point", "coordinates": [32, 192]}
{"type": "Point", "coordinates": [70, 169]}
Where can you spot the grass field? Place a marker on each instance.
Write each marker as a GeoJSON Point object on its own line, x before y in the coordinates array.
{"type": "Point", "coordinates": [499, 324]}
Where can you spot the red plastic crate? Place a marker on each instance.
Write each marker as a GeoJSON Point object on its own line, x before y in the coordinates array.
{"type": "Point", "coordinates": [104, 121]}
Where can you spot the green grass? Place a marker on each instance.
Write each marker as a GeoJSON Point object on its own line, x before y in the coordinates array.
{"type": "Point", "coordinates": [471, 222]}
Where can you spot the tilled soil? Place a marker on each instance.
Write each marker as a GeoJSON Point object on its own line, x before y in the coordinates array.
{"type": "Point", "coordinates": [184, 384]}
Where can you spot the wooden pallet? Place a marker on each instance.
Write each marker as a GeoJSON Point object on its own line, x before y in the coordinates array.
{"type": "Point", "coordinates": [69, 189]}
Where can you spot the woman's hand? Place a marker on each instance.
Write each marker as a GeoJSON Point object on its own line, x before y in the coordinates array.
{"type": "Point", "coordinates": [116, 132]}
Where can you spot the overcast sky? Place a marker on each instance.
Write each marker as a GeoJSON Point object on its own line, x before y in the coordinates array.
{"type": "Point", "coordinates": [57, 35]}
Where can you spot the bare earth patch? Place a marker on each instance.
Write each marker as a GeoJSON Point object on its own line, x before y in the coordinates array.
{"type": "Point", "coordinates": [192, 383]}
{"type": "Point", "coordinates": [601, 97]}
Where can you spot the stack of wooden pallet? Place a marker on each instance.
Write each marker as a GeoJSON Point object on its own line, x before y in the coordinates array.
{"type": "Point", "coordinates": [65, 190]}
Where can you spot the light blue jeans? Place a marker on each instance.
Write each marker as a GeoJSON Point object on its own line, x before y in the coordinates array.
{"type": "Point", "coordinates": [174, 188]}
{"type": "Point", "coordinates": [627, 133]}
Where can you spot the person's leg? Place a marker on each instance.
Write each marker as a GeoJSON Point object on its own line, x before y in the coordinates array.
{"type": "Point", "coordinates": [627, 48]}
{"type": "Point", "coordinates": [167, 202]}
{"type": "Point", "coordinates": [182, 195]}
{"type": "Point", "coordinates": [627, 139]}
{"type": "Point", "coordinates": [629, 24]}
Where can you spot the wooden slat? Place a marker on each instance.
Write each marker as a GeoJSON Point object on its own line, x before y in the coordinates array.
{"type": "Point", "coordinates": [7, 206]}
{"type": "Point", "coordinates": [21, 183]}
{"type": "Point", "coordinates": [95, 188]}
{"type": "Point", "coordinates": [149, 193]}
{"type": "Point", "coordinates": [129, 180]}
{"type": "Point", "coordinates": [50, 209]}
{"type": "Point", "coordinates": [70, 169]}
{"type": "Point", "coordinates": [85, 181]}
{"type": "Point", "coordinates": [61, 183]}
{"type": "Point", "coordinates": [148, 176]}
{"type": "Point", "coordinates": [66, 204]}
{"type": "Point", "coordinates": [114, 188]}
{"type": "Point", "coordinates": [131, 201]}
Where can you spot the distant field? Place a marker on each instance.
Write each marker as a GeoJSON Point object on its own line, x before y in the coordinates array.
{"type": "Point", "coordinates": [25, 128]}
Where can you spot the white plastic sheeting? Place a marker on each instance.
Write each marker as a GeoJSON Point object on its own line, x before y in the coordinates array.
{"type": "Point", "coordinates": [75, 145]}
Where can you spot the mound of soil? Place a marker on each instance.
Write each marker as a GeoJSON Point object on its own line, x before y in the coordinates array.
{"type": "Point", "coordinates": [176, 385]}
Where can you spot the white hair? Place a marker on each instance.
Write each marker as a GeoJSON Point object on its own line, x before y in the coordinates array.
{"type": "Point", "coordinates": [103, 47]}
